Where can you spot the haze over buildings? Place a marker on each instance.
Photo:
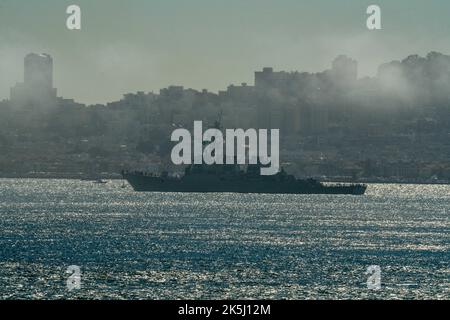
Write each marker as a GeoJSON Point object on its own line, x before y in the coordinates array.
{"type": "Point", "coordinates": [349, 102]}
{"type": "Point", "coordinates": [333, 125]}
{"type": "Point", "coordinates": [137, 45]}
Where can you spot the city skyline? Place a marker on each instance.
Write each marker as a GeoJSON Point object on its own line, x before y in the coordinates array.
{"type": "Point", "coordinates": [346, 67]}
{"type": "Point", "coordinates": [337, 117]}
{"type": "Point", "coordinates": [130, 47]}
{"type": "Point", "coordinates": [37, 83]}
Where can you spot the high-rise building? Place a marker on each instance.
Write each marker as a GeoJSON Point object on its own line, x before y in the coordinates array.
{"type": "Point", "coordinates": [37, 89]}
{"type": "Point", "coordinates": [39, 70]}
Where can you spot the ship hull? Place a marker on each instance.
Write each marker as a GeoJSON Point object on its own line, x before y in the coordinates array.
{"type": "Point", "coordinates": [212, 183]}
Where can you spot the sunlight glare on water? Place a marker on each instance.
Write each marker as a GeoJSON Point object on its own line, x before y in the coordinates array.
{"type": "Point", "coordinates": [221, 246]}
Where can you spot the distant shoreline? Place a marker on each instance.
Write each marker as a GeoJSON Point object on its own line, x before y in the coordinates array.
{"type": "Point", "coordinates": [62, 177]}
{"type": "Point", "coordinates": [391, 182]}
{"type": "Point", "coordinates": [119, 177]}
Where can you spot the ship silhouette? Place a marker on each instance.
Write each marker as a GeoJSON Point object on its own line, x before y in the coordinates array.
{"type": "Point", "coordinates": [204, 178]}
{"type": "Point", "coordinates": [230, 178]}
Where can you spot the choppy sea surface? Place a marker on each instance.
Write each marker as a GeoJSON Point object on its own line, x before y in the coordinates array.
{"type": "Point", "coordinates": [221, 246]}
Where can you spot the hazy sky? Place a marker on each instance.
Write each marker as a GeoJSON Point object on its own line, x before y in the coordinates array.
{"type": "Point", "coordinates": [126, 46]}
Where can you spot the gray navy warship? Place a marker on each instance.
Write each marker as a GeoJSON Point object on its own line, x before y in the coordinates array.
{"type": "Point", "coordinates": [204, 178]}
{"type": "Point", "coordinates": [230, 178]}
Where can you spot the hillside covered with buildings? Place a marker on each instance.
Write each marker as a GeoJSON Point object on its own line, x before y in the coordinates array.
{"type": "Point", "coordinates": [333, 125]}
